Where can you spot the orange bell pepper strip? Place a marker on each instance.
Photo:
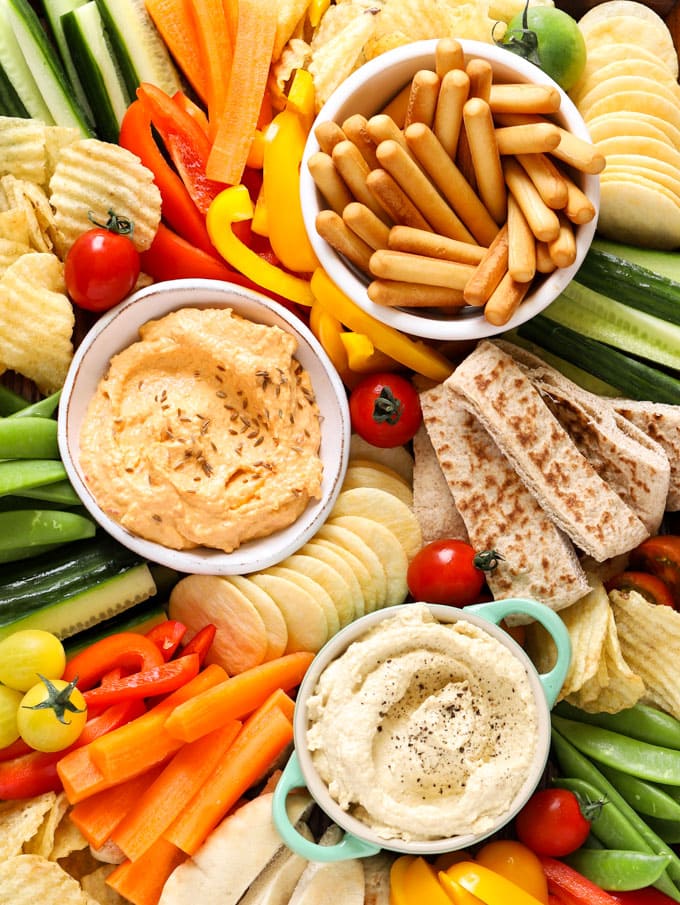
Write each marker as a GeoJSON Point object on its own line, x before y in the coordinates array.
{"type": "Point", "coordinates": [234, 205]}
{"type": "Point", "coordinates": [329, 331]}
{"type": "Point", "coordinates": [420, 884]}
{"type": "Point", "coordinates": [397, 874]}
{"type": "Point", "coordinates": [130, 651]}
{"type": "Point", "coordinates": [146, 683]}
{"type": "Point", "coordinates": [486, 885]}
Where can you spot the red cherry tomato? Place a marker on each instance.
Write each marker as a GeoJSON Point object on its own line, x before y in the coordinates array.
{"type": "Point", "coordinates": [552, 823]}
{"type": "Point", "coordinates": [102, 266]}
{"type": "Point", "coordinates": [385, 409]}
{"type": "Point", "coordinates": [449, 572]}
{"type": "Point", "coordinates": [649, 586]}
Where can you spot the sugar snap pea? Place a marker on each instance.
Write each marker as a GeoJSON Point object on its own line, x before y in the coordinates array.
{"type": "Point", "coordinates": [646, 723]}
{"type": "Point", "coordinates": [43, 408]}
{"type": "Point", "coordinates": [28, 438]}
{"type": "Point", "coordinates": [26, 528]}
{"type": "Point", "coordinates": [668, 830]}
{"type": "Point", "coordinates": [617, 870]}
{"type": "Point", "coordinates": [18, 474]}
{"type": "Point", "coordinates": [647, 798]}
{"type": "Point", "coordinates": [10, 402]}
{"type": "Point", "coordinates": [641, 759]}
{"type": "Point", "coordinates": [61, 492]}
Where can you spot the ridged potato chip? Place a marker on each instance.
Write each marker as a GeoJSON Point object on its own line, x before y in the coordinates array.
{"type": "Point", "coordinates": [94, 177]}
{"type": "Point", "coordinates": [19, 821]}
{"type": "Point", "coordinates": [339, 56]}
{"type": "Point", "coordinates": [14, 226]}
{"type": "Point", "coordinates": [42, 842]}
{"type": "Point", "coordinates": [31, 199]}
{"type": "Point", "coordinates": [22, 148]}
{"type": "Point", "coordinates": [422, 19]}
{"type": "Point", "coordinates": [95, 885]}
{"type": "Point", "coordinates": [28, 879]}
{"type": "Point", "coordinates": [10, 252]}
{"type": "Point", "coordinates": [289, 14]}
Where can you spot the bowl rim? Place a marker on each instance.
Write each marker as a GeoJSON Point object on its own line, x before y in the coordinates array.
{"type": "Point", "coordinates": [347, 278]}
{"type": "Point", "coordinates": [333, 649]}
{"type": "Point", "coordinates": [126, 318]}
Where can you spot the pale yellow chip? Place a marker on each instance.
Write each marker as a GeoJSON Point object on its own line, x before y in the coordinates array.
{"type": "Point", "coordinates": [95, 885]}
{"type": "Point", "coordinates": [620, 83]}
{"type": "Point", "coordinates": [36, 320]}
{"type": "Point", "coordinates": [22, 148]}
{"type": "Point", "coordinates": [56, 138]}
{"type": "Point", "coordinates": [621, 171]}
{"type": "Point", "coordinates": [10, 252]}
{"type": "Point", "coordinates": [14, 226]}
{"type": "Point", "coordinates": [381, 43]}
{"type": "Point", "coordinates": [30, 879]}
{"type": "Point", "coordinates": [386, 546]}
{"type": "Point", "coordinates": [648, 34]}
{"type": "Point", "coordinates": [43, 841]}
{"type": "Point", "coordinates": [20, 821]}
{"type": "Point", "coordinates": [335, 59]}
{"type": "Point", "coordinates": [94, 177]}
{"type": "Point", "coordinates": [367, 474]}
{"type": "Point", "coordinates": [638, 211]}
{"type": "Point", "coordinates": [629, 147]}
{"type": "Point", "coordinates": [627, 124]}
{"type": "Point", "coordinates": [385, 508]}
{"type": "Point", "coordinates": [648, 69]}
{"type": "Point", "coordinates": [32, 201]}
{"type": "Point", "coordinates": [67, 839]}
{"type": "Point", "coordinates": [396, 458]}
{"type": "Point", "coordinates": [422, 19]}
{"type": "Point", "coordinates": [289, 14]}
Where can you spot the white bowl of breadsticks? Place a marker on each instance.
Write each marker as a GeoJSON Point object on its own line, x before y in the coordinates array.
{"type": "Point", "coordinates": [450, 189]}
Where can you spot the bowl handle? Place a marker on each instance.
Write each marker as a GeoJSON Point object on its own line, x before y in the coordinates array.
{"type": "Point", "coordinates": [496, 610]}
{"type": "Point", "coordinates": [349, 847]}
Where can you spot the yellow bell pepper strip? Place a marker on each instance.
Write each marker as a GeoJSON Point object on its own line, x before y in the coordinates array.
{"type": "Point", "coordinates": [488, 886]}
{"type": "Point", "coordinates": [414, 354]}
{"type": "Point", "coordinates": [284, 142]}
{"type": "Point", "coordinates": [397, 874]}
{"type": "Point", "coordinates": [316, 10]}
{"type": "Point", "coordinates": [419, 883]}
{"type": "Point", "coordinates": [301, 97]}
{"type": "Point", "coordinates": [362, 355]}
{"type": "Point", "coordinates": [232, 206]}
{"type": "Point", "coordinates": [328, 330]}
{"type": "Point", "coordinates": [457, 893]}
{"type": "Point", "coordinates": [260, 223]}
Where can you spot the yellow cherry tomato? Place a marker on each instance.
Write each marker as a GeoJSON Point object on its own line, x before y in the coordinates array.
{"type": "Point", "coordinates": [10, 699]}
{"type": "Point", "coordinates": [26, 654]}
{"type": "Point", "coordinates": [51, 715]}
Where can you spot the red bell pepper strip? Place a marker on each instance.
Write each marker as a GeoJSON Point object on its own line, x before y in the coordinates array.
{"type": "Point", "coordinates": [131, 651]}
{"type": "Point", "coordinates": [185, 141]}
{"type": "Point", "coordinates": [198, 113]}
{"type": "Point", "coordinates": [160, 679]}
{"type": "Point", "coordinates": [647, 896]}
{"type": "Point", "coordinates": [178, 207]}
{"type": "Point", "coordinates": [201, 642]}
{"type": "Point", "coordinates": [571, 886]}
{"type": "Point", "coordinates": [36, 773]}
{"type": "Point", "coordinates": [16, 749]}
{"type": "Point", "coordinates": [167, 636]}
{"type": "Point", "coordinates": [170, 257]}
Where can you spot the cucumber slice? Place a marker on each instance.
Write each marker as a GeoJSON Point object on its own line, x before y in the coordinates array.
{"type": "Point", "coordinates": [10, 102]}
{"type": "Point", "coordinates": [139, 49]}
{"type": "Point", "coordinates": [97, 68]}
{"type": "Point", "coordinates": [17, 72]}
{"type": "Point", "coordinates": [54, 10]}
{"type": "Point", "coordinates": [140, 618]}
{"type": "Point", "coordinates": [666, 263]}
{"type": "Point", "coordinates": [43, 62]}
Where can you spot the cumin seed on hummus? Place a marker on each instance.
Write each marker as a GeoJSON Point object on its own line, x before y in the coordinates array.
{"type": "Point", "coordinates": [205, 432]}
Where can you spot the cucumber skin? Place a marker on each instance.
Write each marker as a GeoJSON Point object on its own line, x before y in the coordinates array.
{"type": "Point", "coordinates": [10, 102]}
{"type": "Point", "coordinates": [664, 263]}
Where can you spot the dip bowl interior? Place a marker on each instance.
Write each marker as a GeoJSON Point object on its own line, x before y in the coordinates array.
{"type": "Point", "coordinates": [118, 329]}
{"type": "Point", "coordinates": [366, 91]}
{"type": "Point", "coordinates": [360, 839]}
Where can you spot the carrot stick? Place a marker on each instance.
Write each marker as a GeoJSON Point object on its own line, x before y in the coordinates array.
{"type": "Point", "coordinates": [215, 46]}
{"type": "Point", "coordinates": [165, 799]}
{"type": "Point", "coordinates": [237, 696]}
{"type": "Point", "coordinates": [97, 816]}
{"type": "Point", "coordinates": [176, 25]}
{"type": "Point", "coordinates": [141, 882]}
{"type": "Point", "coordinates": [79, 775]}
{"type": "Point", "coordinates": [264, 736]}
{"type": "Point", "coordinates": [255, 31]}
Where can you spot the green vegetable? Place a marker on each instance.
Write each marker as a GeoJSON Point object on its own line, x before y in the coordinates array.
{"type": "Point", "coordinates": [668, 830]}
{"type": "Point", "coordinates": [28, 438]}
{"type": "Point", "coordinates": [646, 797]}
{"type": "Point", "coordinates": [17, 71]}
{"type": "Point", "coordinates": [665, 263]}
{"type": "Point", "coordinates": [10, 402]}
{"type": "Point", "coordinates": [580, 377]}
{"type": "Point", "coordinates": [60, 493]}
{"type": "Point", "coordinates": [55, 9]}
{"type": "Point", "coordinates": [618, 870]}
{"type": "Point", "coordinates": [18, 474]}
{"type": "Point", "coordinates": [23, 530]}
{"type": "Point", "coordinates": [10, 102]}
{"type": "Point", "coordinates": [646, 723]}
{"type": "Point", "coordinates": [140, 618]}
{"type": "Point", "coordinates": [43, 408]}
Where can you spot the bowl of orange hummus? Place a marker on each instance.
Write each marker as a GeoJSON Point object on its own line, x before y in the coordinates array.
{"type": "Point", "coordinates": [203, 426]}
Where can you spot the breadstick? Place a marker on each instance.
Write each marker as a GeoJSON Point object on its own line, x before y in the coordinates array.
{"type": "Point", "coordinates": [546, 177]}
{"type": "Point", "coordinates": [394, 201]}
{"type": "Point", "coordinates": [328, 134]}
{"type": "Point", "coordinates": [579, 208]}
{"type": "Point", "coordinates": [408, 268]}
{"type": "Point", "coordinates": [524, 97]}
{"type": "Point", "coordinates": [397, 107]}
{"type": "Point", "coordinates": [381, 127]}
{"type": "Point", "coordinates": [362, 221]}
{"type": "Point", "coordinates": [489, 271]}
{"type": "Point", "coordinates": [333, 229]}
{"type": "Point", "coordinates": [448, 116]}
{"type": "Point", "coordinates": [542, 219]}
{"type": "Point", "coordinates": [578, 153]}
{"type": "Point", "coordinates": [448, 55]}
{"type": "Point", "coordinates": [328, 181]}
{"type": "Point", "coordinates": [480, 74]}
{"type": "Point", "coordinates": [544, 263]}
{"type": "Point", "coordinates": [401, 166]}
{"type": "Point", "coordinates": [521, 244]}
{"type": "Point", "coordinates": [423, 98]}
{"type": "Point", "coordinates": [486, 160]}
{"type": "Point", "coordinates": [397, 294]}
{"type": "Point", "coordinates": [441, 169]}
{"type": "Point", "coordinates": [505, 300]}
{"type": "Point", "coordinates": [419, 242]}
{"type": "Point", "coordinates": [354, 171]}
{"type": "Point", "coordinates": [537, 138]}
{"type": "Point", "coordinates": [563, 249]}
{"type": "Point", "coordinates": [355, 128]}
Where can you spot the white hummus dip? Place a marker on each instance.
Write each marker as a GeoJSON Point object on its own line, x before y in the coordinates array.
{"type": "Point", "coordinates": [424, 730]}
{"type": "Point", "coordinates": [205, 432]}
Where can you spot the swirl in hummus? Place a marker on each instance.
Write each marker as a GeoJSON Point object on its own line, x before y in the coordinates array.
{"type": "Point", "coordinates": [424, 730]}
{"type": "Point", "coordinates": [204, 432]}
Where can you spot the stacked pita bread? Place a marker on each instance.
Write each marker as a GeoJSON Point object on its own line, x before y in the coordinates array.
{"type": "Point", "coordinates": [542, 471]}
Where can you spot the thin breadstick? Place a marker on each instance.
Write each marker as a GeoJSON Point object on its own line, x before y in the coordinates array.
{"type": "Point", "coordinates": [419, 242]}
{"type": "Point", "coordinates": [422, 101]}
{"type": "Point", "coordinates": [520, 119]}
{"type": "Point", "coordinates": [579, 208]}
{"type": "Point", "coordinates": [441, 169]}
{"type": "Point", "coordinates": [399, 265]}
{"type": "Point", "coordinates": [448, 55]}
{"type": "Point", "coordinates": [354, 171]}
{"type": "Point", "coordinates": [448, 116]}
{"type": "Point", "coordinates": [544, 263]}
{"type": "Point", "coordinates": [393, 200]}
{"type": "Point", "coordinates": [524, 97]}
{"type": "Point", "coordinates": [489, 271]}
{"type": "Point", "coordinates": [578, 153]}
{"type": "Point", "coordinates": [401, 166]}
{"type": "Point", "coordinates": [397, 294]}
{"type": "Point", "coordinates": [328, 181]}
{"type": "Point", "coordinates": [328, 134]}
{"type": "Point", "coordinates": [480, 74]}
{"type": "Point", "coordinates": [521, 244]}
{"type": "Point", "coordinates": [382, 127]}
{"type": "Point", "coordinates": [397, 107]}
{"type": "Point", "coordinates": [542, 219]}
{"type": "Point", "coordinates": [486, 160]}
{"type": "Point", "coordinates": [563, 249]}
{"type": "Point", "coordinates": [362, 221]}
{"type": "Point", "coordinates": [505, 300]}
{"type": "Point", "coordinates": [464, 159]}
{"type": "Point", "coordinates": [546, 177]}
{"type": "Point", "coordinates": [355, 128]}
{"type": "Point", "coordinates": [537, 138]}
{"type": "Point", "coordinates": [333, 229]}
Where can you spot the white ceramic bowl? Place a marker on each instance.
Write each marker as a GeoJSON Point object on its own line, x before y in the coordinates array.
{"type": "Point", "coordinates": [119, 328]}
{"type": "Point", "coordinates": [367, 91]}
